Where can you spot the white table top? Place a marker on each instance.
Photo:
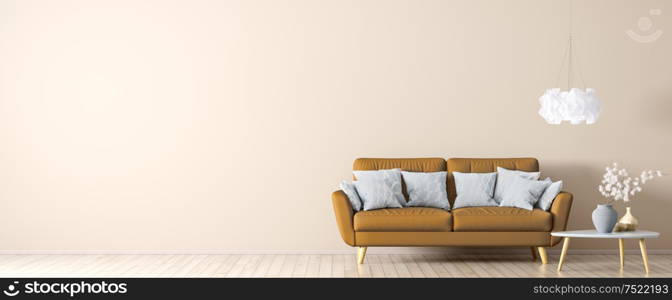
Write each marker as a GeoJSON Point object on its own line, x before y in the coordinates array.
{"type": "Point", "coordinates": [592, 233]}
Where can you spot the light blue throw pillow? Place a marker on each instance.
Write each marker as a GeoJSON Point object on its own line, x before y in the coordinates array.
{"type": "Point", "coordinates": [348, 187]}
{"type": "Point", "coordinates": [391, 177]}
{"type": "Point", "coordinates": [523, 193]}
{"type": "Point", "coordinates": [426, 189]}
{"type": "Point", "coordinates": [376, 194]}
{"type": "Point", "coordinates": [546, 199]}
{"type": "Point", "coordinates": [506, 176]}
{"type": "Point", "coordinates": [474, 189]}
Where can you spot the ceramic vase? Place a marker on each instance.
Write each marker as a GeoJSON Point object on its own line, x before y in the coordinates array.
{"type": "Point", "coordinates": [604, 218]}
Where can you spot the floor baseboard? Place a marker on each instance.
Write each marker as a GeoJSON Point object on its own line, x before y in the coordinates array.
{"type": "Point", "coordinates": [372, 250]}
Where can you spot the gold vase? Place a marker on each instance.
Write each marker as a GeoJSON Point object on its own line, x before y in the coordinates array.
{"type": "Point", "coordinates": [628, 222]}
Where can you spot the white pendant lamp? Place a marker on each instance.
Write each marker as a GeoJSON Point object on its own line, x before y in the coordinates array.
{"type": "Point", "coordinates": [574, 105]}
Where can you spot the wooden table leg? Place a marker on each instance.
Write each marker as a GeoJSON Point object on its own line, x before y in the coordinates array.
{"type": "Point", "coordinates": [645, 257]}
{"type": "Point", "coordinates": [565, 245]}
{"type": "Point", "coordinates": [621, 250]}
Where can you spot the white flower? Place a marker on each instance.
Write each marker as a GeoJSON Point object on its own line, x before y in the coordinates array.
{"type": "Point", "coordinates": [617, 184]}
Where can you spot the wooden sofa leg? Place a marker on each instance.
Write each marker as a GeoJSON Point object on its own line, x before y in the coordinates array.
{"type": "Point", "coordinates": [534, 254]}
{"type": "Point", "coordinates": [543, 255]}
{"type": "Point", "coordinates": [361, 252]}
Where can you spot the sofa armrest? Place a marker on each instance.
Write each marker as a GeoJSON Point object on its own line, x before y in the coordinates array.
{"type": "Point", "coordinates": [560, 211]}
{"type": "Point", "coordinates": [344, 216]}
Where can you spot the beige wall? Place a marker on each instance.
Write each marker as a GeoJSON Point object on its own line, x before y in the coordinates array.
{"type": "Point", "coordinates": [225, 125]}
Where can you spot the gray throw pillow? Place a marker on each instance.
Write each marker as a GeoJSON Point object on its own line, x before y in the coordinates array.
{"type": "Point", "coordinates": [504, 178]}
{"type": "Point", "coordinates": [474, 189]}
{"type": "Point", "coordinates": [376, 194]}
{"type": "Point", "coordinates": [426, 189]}
{"type": "Point", "coordinates": [391, 177]}
{"type": "Point", "coordinates": [348, 187]}
{"type": "Point", "coordinates": [549, 194]}
{"type": "Point", "coordinates": [523, 193]}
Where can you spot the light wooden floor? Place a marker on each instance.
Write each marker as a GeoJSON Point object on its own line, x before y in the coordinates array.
{"type": "Point", "coordinates": [376, 265]}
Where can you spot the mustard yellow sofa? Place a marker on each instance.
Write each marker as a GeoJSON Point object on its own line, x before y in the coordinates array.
{"type": "Point", "coordinates": [468, 226]}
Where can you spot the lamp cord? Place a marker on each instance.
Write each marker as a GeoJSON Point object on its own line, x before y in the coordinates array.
{"type": "Point", "coordinates": [562, 64]}
{"type": "Point", "coordinates": [571, 31]}
{"type": "Point", "coordinates": [569, 49]}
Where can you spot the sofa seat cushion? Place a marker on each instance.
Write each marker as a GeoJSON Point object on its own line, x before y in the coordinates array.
{"type": "Point", "coordinates": [403, 219]}
{"type": "Point", "coordinates": [501, 219]}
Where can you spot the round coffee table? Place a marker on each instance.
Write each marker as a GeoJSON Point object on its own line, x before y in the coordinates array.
{"type": "Point", "coordinates": [637, 234]}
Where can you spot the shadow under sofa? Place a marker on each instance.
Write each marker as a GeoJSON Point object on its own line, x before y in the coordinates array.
{"type": "Point", "coordinates": [468, 226]}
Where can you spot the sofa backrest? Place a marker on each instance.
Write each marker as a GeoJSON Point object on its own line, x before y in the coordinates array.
{"type": "Point", "coordinates": [485, 165]}
{"type": "Point", "coordinates": [435, 164]}
{"type": "Point", "coordinates": [432, 164]}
